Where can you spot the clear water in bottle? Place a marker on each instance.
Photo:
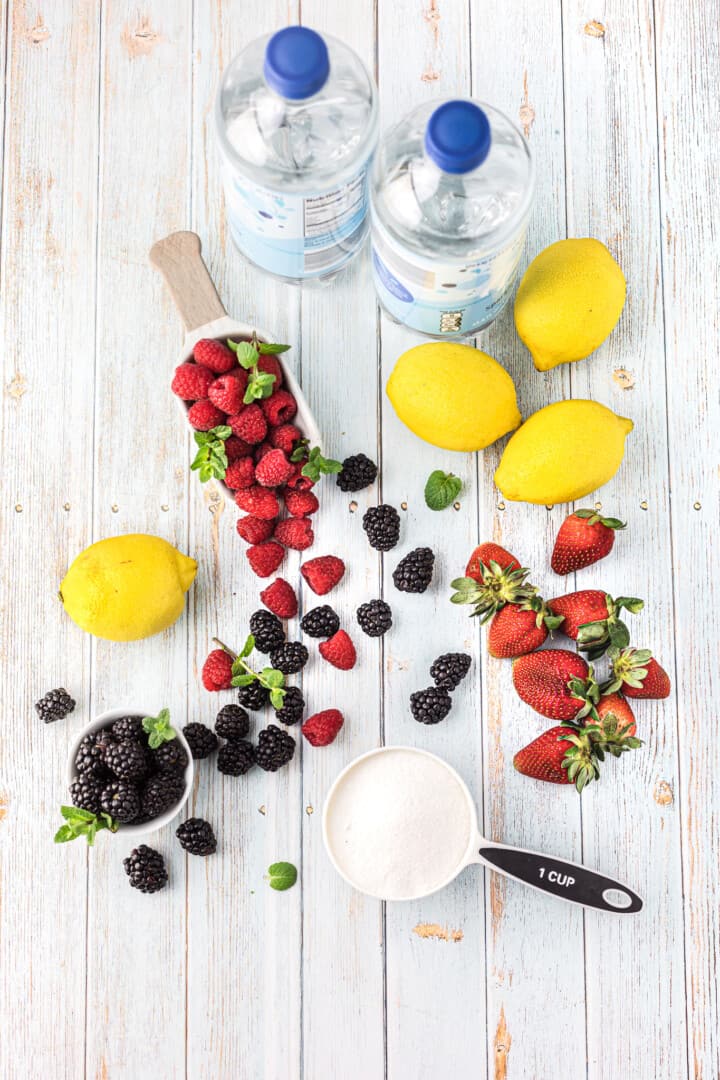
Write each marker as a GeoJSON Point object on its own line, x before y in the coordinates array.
{"type": "Point", "coordinates": [297, 122]}
{"type": "Point", "coordinates": [451, 193]}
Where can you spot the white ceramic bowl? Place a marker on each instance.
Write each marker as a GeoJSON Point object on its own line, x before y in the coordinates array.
{"type": "Point", "coordinates": [103, 721]}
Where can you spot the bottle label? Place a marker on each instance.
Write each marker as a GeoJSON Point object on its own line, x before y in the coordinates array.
{"type": "Point", "coordinates": [297, 236]}
{"type": "Point", "coordinates": [443, 298]}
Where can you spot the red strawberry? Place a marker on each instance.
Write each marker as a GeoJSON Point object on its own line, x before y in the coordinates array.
{"type": "Point", "coordinates": [240, 474]}
{"type": "Point", "coordinates": [217, 670]}
{"type": "Point", "coordinates": [490, 585]}
{"type": "Point", "coordinates": [556, 683]}
{"type": "Point", "coordinates": [584, 538]}
{"type": "Point", "coordinates": [191, 382]}
{"type": "Point", "coordinates": [301, 503]}
{"type": "Point", "coordinates": [203, 415]}
{"type": "Point", "coordinates": [484, 554]}
{"type": "Point", "coordinates": [279, 408]}
{"type": "Point", "coordinates": [265, 558]}
{"type": "Point", "coordinates": [214, 355]}
{"type": "Point", "coordinates": [520, 628]}
{"type": "Point", "coordinates": [249, 424]}
{"type": "Point", "coordinates": [637, 674]}
{"type": "Point", "coordinates": [271, 365]}
{"type": "Point", "coordinates": [616, 718]}
{"type": "Point", "coordinates": [258, 501]}
{"type": "Point", "coordinates": [254, 529]}
{"type": "Point", "coordinates": [227, 392]}
{"type": "Point", "coordinates": [285, 437]}
{"type": "Point", "coordinates": [339, 651]}
{"type": "Point", "coordinates": [322, 574]}
{"type": "Point", "coordinates": [591, 617]}
{"type": "Point", "coordinates": [280, 598]}
{"type": "Point", "coordinates": [560, 755]}
{"type": "Point", "coordinates": [321, 728]}
{"type": "Point", "coordinates": [295, 533]}
{"type": "Point", "coordinates": [236, 448]}
{"type": "Point", "coordinates": [274, 469]}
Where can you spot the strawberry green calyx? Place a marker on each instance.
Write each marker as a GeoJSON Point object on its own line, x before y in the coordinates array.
{"type": "Point", "coordinates": [586, 691]}
{"type": "Point", "coordinates": [497, 588]}
{"type": "Point", "coordinates": [243, 675]}
{"type": "Point", "coordinates": [543, 613]}
{"type": "Point", "coordinates": [629, 667]}
{"type": "Point", "coordinates": [211, 460]}
{"type": "Point", "coordinates": [595, 638]}
{"type": "Point", "coordinates": [593, 517]}
{"type": "Point", "coordinates": [582, 756]}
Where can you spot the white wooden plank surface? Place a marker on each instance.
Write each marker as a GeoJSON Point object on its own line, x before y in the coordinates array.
{"type": "Point", "coordinates": [221, 976]}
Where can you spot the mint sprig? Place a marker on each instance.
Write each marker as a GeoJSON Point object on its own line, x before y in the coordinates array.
{"type": "Point", "coordinates": [211, 459]}
{"type": "Point", "coordinates": [260, 383]}
{"type": "Point", "coordinates": [82, 823]}
{"type": "Point", "coordinates": [442, 489]}
{"type": "Point", "coordinates": [315, 464]}
{"type": "Point", "coordinates": [158, 729]}
{"type": "Point", "coordinates": [243, 675]}
{"type": "Point", "coordinates": [282, 876]}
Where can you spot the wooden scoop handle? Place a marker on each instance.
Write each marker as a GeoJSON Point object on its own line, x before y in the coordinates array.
{"type": "Point", "coordinates": [178, 259]}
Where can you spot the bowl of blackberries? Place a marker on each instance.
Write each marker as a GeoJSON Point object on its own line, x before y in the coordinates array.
{"type": "Point", "coordinates": [126, 771]}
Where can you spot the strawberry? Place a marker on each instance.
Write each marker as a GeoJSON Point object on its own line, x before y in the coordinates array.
{"type": "Point", "coordinates": [637, 674]}
{"type": "Point", "coordinates": [217, 671]}
{"type": "Point", "coordinates": [590, 617]}
{"type": "Point", "coordinates": [274, 469]}
{"type": "Point", "coordinates": [484, 554]}
{"type": "Point", "coordinates": [322, 574]}
{"type": "Point", "coordinates": [280, 598]}
{"type": "Point", "coordinates": [279, 408]}
{"type": "Point", "coordinates": [492, 585]}
{"type": "Point", "coordinates": [240, 474]}
{"type": "Point", "coordinates": [214, 355]}
{"type": "Point", "coordinates": [265, 558]}
{"type": "Point", "coordinates": [191, 383]}
{"type": "Point", "coordinates": [203, 415]}
{"type": "Point", "coordinates": [520, 628]}
{"type": "Point", "coordinates": [227, 392]}
{"type": "Point", "coordinates": [249, 424]}
{"type": "Point", "coordinates": [339, 651]}
{"type": "Point", "coordinates": [584, 538]}
{"type": "Point", "coordinates": [321, 728]}
{"type": "Point", "coordinates": [258, 501]}
{"type": "Point", "coordinates": [556, 683]}
{"type": "Point", "coordinates": [615, 717]}
{"type": "Point", "coordinates": [285, 437]}
{"type": "Point", "coordinates": [301, 503]}
{"type": "Point", "coordinates": [271, 366]}
{"type": "Point", "coordinates": [236, 448]}
{"type": "Point", "coordinates": [295, 533]}
{"type": "Point", "coordinates": [255, 530]}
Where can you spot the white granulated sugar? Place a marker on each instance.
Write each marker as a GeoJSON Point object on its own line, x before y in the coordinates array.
{"type": "Point", "coordinates": [398, 825]}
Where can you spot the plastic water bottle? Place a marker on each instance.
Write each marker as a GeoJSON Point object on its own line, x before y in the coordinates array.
{"type": "Point", "coordinates": [451, 192]}
{"type": "Point", "coordinates": [297, 122]}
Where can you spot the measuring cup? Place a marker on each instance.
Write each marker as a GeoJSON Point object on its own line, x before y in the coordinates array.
{"type": "Point", "coordinates": [371, 827]}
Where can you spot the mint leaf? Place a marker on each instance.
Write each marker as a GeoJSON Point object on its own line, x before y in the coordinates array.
{"type": "Point", "coordinates": [242, 680]}
{"type": "Point", "coordinates": [277, 698]}
{"type": "Point", "coordinates": [268, 349]}
{"type": "Point", "coordinates": [442, 489]}
{"type": "Point", "coordinates": [282, 876]}
{"type": "Point", "coordinates": [64, 834]}
{"type": "Point", "coordinates": [248, 646]}
{"type": "Point", "coordinates": [82, 823]}
{"type": "Point", "coordinates": [301, 450]}
{"type": "Point", "coordinates": [316, 465]}
{"type": "Point", "coordinates": [158, 729]}
{"type": "Point", "coordinates": [247, 354]}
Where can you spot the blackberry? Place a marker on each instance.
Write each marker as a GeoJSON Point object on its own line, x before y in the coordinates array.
{"type": "Point", "coordinates": [161, 792]}
{"type": "Point", "coordinates": [321, 622]}
{"type": "Point", "coordinates": [430, 706]}
{"type": "Point", "coordinates": [127, 760]}
{"type": "Point", "coordinates": [414, 572]}
{"type": "Point", "coordinates": [129, 727]}
{"type": "Point", "coordinates": [120, 799]}
{"type": "Point", "coordinates": [235, 757]}
{"type": "Point", "coordinates": [146, 869]}
{"type": "Point", "coordinates": [232, 722]}
{"type": "Point", "coordinates": [382, 527]}
{"type": "Point", "coordinates": [292, 707]}
{"type": "Point", "coordinates": [171, 757]}
{"type": "Point", "coordinates": [267, 630]}
{"type": "Point", "coordinates": [290, 657]}
{"type": "Point", "coordinates": [253, 697]}
{"type": "Point", "coordinates": [450, 669]}
{"type": "Point", "coordinates": [375, 618]}
{"type": "Point", "coordinates": [201, 740]}
{"type": "Point", "coordinates": [85, 793]}
{"type": "Point", "coordinates": [275, 748]}
{"type": "Point", "coordinates": [55, 705]}
{"type": "Point", "coordinates": [358, 472]}
{"type": "Point", "coordinates": [197, 836]}
{"type": "Point", "coordinates": [90, 757]}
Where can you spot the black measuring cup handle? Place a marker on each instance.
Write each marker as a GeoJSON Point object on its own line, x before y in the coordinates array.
{"type": "Point", "coordinates": [570, 881]}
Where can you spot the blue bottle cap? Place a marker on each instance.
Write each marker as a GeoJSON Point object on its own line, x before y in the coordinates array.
{"type": "Point", "coordinates": [457, 136]}
{"type": "Point", "coordinates": [296, 63]}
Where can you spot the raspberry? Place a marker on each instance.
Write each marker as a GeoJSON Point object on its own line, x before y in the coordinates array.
{"type": "Point", "coordinates": [265, 558]}
{"type": "Point", "coordinates": [295, 533]}
{"type": "Point", "coordinates": [214, 355]}
{"type": "Point", "coordinates": [249, 424]}
{"type": "Point", "coordinates": [339, 651]}
{"type": "Point", "coordinates": [280, 598]}
{"type": "Point", "coordinates": [261, 450]}
{"type": "Point", "coordinates": [203, 415]}
{"type": "Point", "coordinates": [237, 448]}
{"type": "Point", "coordinates": [191, 382]}
{"type": "Point", "coordinates": [227, 392]}
{"type": "Point", "coordinates": [217, 670]}
{"type": "Point", "coordinates": [274, 469]}
{"type": "Point", "coordinates": [255, 530]}
{"type": "Point", "coordinates": [240, 474]}
{"type": "Point", "coordinates": [301, 503]}
{"type": "Point", "coordinates": [285, 437]}
{"type": "Point", "coordinates": [271, 365]}
{"type": "Point", "coordinates": [279, 408]}
{"type": "Point", "coordinates": [322, 574]}
{"type": "Point", "coordinates": [258, 501]}
{"type": "Point", "coordinates": [298, 482]}
{"type": "Point", "coordinates": [321, 728]}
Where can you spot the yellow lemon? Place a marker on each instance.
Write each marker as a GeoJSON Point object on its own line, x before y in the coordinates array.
{"type": "Point", "coordinates": [569, 300]}
{"type": "Point", "coordinates": [127, 587]}
{"type": "Point", "coordinates": [453, 395]}
{"type": "Point", "coordinates": [562, 452]}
